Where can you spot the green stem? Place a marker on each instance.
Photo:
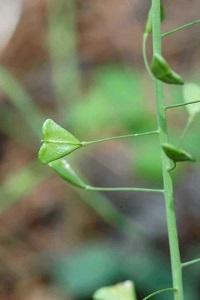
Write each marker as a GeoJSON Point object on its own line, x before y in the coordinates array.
{"type": "Point", "coordinates": [122, 189]}
{"type": "Point", "coordinates": [104, 208]}
{"type": "Point", "coordinates": [187, 25]}
{"type": "Point", "coordinates": [18, 96]}
{"type": "Point", "coordinates": [191, 262]}
{"type": "Point", "coordinates": [63, 54]}
{"type": "Point", "coordinates": [159, 292]}
{"type": "Point", "coordinates": [167, 180]}
{"type": "Point", "coordinates": [119, 137]}
{"type": "Point", "coordinates": [181, 104]}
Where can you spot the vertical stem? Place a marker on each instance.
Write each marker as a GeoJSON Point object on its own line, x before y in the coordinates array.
{"type": "Point", "coordinates": [167, 180]}
{"type": "Point", "coordinates": [62, 50]}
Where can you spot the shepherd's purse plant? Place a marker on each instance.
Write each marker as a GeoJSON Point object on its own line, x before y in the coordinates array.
{"type": "Point", "coordinates": [58, 143]}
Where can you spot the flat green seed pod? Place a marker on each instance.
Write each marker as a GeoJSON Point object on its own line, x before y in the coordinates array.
{"type": "Point", "coordinates": [63, 168]}
{"type": "Point", "coordinates": [120, 291]}
{"type": "Point", "coordinates": [177, 154]}
{"type": "Point", "coordinates": [162, 71]}
{"type": "Point", "coordinates": [57, 142]}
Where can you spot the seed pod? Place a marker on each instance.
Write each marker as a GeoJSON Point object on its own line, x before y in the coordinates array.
{"type": "Point", "coordinates": [177, 154]}
{"type": "Point", "coordinates": [57, 142]}
{"type": "Point", "coordinates": [162, 71]}
{"type": "Point", "coordinates": [62, 167]}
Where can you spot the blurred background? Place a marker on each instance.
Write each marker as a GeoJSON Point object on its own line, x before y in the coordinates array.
{"type": "Point", "coordinates": [80, 63]}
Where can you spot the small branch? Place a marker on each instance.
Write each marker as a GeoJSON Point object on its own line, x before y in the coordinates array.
{"type": "Point", "coordinates": [102, 140]}
{"type": "Point", "coordinates": [122, 189]}
{"type": "Point", "coordinates": [119, 137]}
{"type": "Point", "coordinates": [159, 292]}
{"type": "Point", "coordinates": [180, 104]}
{"type": "Point", "coordinates": [191, 262]}
{"type": "Point", "coordinates": [185, 26]}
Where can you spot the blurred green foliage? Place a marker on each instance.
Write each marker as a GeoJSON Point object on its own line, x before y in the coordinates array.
{"type": "Point", "coordinates": [103, 263]}
{"type": "Point", "coordinates": [20, 183]}
{"type": "Point", "coordinates": [98, 264]}
{"type": "Point", "coordinates": [114, 101]}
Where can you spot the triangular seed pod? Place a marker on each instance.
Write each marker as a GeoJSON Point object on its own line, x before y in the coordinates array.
{"type": "Point", "coordinates": [177, 154]}
{"type": "Point", "coordinates": [57, 142]}
{"type": "Point", "coordinates": [162, 71]}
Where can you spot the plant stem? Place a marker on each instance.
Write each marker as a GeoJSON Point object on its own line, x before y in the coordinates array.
{"type": "Point", "coordinates": [181, 104]}
{"type": "Point", "coordinates": [159, 292]}
{"type": "Point", "coordinates": [122, 189]}
{"type": "Point", "coordinates": [62, 51]}
{"type": "Point", "coordinates": [18, 96]}
{"type": "Point", "coordinates": [119, 137]}
{"type": "Point", "coordinates": [187, 25]}
{"type": "Point", "coordinates": [167, 180]}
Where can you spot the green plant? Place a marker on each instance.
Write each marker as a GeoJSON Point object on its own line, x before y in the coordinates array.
{"type": "Point", "coordinates": [57, 143]}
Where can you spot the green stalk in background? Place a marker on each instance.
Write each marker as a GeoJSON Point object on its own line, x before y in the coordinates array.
{"type": "Point", "coordinates": [167, 180]}
{"type": "Point", "coordinates": [20, 99]}
{"type": "Point", "coordinates": [62, 51]}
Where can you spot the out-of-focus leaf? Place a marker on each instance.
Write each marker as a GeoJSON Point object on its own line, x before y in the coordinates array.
{"type": "Point", "coordinates": [62, 167]}
{"type": "Point", "coordinates": [149, 261]}
{"type": "Point", "coordinates": [162, 71]}
{"type": "Point", "coordinates": [191, 92]}
{"type": "Point", "coordinates": [88, 269]}
{"type": "Point", "coordinates": [20, 183]}
{"type": "Point", "coordinates": [115, 100]}
{"type": "Point", "coordinates": [100, 264]}
{"type": "Point", "coordinates": [120, 291]}
{"type": "Point", "coordinates": [176, 154]}
{"type": "Point", "coordinates": [58, 142]}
